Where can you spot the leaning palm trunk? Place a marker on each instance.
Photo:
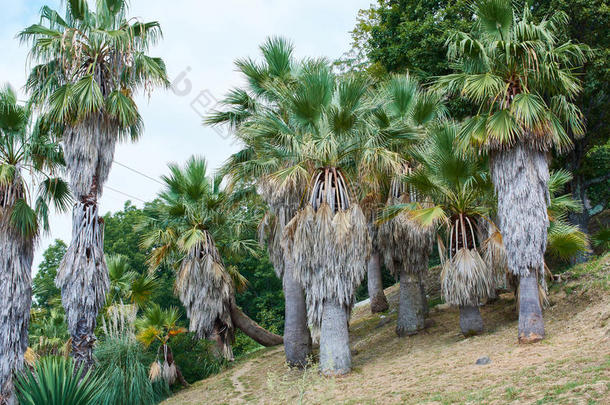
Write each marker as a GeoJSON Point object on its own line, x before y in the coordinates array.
{"type": "Point", "coordinates": [406, 247]}
{"type": "Point", "coordinates": [283, 201]}
{"type": "Point", "coordinates": [16, 254]}
{"type": "Point", "coordinates": [329, 243]}
{"type": "Point", "coordinates": [82, 275]}
{"type": "Point", "coordinates": [206, 291]}
{"type": "Point", "coordinates": [520, 176]}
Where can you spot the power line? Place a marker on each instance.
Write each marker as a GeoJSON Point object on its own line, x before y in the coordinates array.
{"type": "Point", "coordinates": [138, 172]}
{"type": "Point", "coordinates": [125, 194]}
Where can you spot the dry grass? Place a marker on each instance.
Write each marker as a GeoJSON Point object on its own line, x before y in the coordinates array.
{"type": "Point", "coordinates": [572, 365]}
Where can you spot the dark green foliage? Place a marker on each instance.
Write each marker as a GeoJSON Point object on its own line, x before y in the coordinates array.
{"type": "Point", "coordinates": [43, 284]}
{"type": "Point", "coordinates": [123, 367]}
{"type": "Point", "coordinates": [54, 381]}
{"type": "Point", "coordinates": [362, 292]}
{"type": "Point", "coordinates": [195, 357]}
{"type": "Point", "coordinates": [121, 237]}
{"type": "Point", "coordinates": [263, 301]}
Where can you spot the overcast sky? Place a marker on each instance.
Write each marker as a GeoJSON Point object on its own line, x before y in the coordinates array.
{"type": "Point", "coordinates": [201, 40]}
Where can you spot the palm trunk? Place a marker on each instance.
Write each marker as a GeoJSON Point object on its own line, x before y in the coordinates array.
{"type": "Point", "coordinates": [335, 355]}
{"type": "Point", "coordinates": [252, 329]}
{"type": "Point", "coordinates": [297, 340]}
{"type": "Point", "coordinates": [223, 344]}
{"type": "Point", "coordinates": [531, 323]}
{"type": "Point", "coordinates": [410, 309]}
{"type": "Point", "coordinates": [379, 302]}
{"type": "Point", "coordinates": [16, 257]}
{"type": "Point", "coordinates": [520, 176]}
{"type": "Point", "coordinates": [82, 277]}
{"type": "Point", "coordinates": [471, 322]}
{"type": "Point", "coordinates": [424, 298]}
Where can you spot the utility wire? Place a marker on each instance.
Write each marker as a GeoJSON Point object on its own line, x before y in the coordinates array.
{"type": "Point", "coordinates": [125, 194]}
{"type": "Point", "coordinates": [138, 172]}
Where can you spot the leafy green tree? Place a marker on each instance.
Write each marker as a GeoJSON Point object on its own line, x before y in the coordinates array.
{"type": "Point", "coordinates": [43, 284]}
{"type": "Point", "coordinates": [91, 64]}
{"type": "Point", "coordinates": [521, 75]}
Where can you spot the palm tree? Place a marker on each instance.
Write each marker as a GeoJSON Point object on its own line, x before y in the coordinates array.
{"type": "Point", "coordinates": [459, 187]}
{"type": "Point", "coordinates": [328, 240]}
{"type": "Point", "coordinates": [28, 158]}
{"type": "Point", "coordinates": [91, 63]}
{"type": "Point", "coordinates": [521, 75]}
{"type": "Point", "coordinates": [157, 324]}
{"type": "Point", "coordinates": [194, 225]}
{"type": "Point", "coordinates": [405, 108]}
{"type": "Point", "coordinates": [261, 156]}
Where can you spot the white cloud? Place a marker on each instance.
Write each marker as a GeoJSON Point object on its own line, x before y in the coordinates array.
{"type": "Point", "coordinates": [205, 36]}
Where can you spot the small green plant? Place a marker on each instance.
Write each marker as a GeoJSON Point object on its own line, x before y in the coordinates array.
{"type": "Point", "coordinates": [54, 381]}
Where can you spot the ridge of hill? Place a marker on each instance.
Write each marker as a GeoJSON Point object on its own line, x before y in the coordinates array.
{"type": "Point", "coordinates": [437, 366]}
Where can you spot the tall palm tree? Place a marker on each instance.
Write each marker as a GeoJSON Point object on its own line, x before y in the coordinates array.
{"type": "Point", "coordinates": [522, 76]}
{"type": "Point", "coordinates": [91, 63]}
{"type": "Point", "coordinates": [194, 225]}
{"type": "Point", "coordinates": [263, 154]}
{"type": "Point", "coordinates": [28, 158]}
{"type": "Point", "coordinates": [405, 108]}
{"type": "Point", "coordinates": [328, 239]}
{"type": "Point", "coordinates": [458, 186]}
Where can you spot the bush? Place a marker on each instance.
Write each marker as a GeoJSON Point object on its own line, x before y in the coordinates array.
{"type": "Point", "coordinates": [123, 366]}
{"type": "Point", "coordinates": [194, 357]}
{"type": "Point", "coordinates": [53, 381]}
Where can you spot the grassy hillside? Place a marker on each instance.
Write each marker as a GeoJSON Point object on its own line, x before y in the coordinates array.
{"type": "Point", "coordinates": [438, 366]}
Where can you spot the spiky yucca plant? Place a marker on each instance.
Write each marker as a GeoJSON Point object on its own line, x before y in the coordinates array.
{"type": "Point", "coordinates": [29, 162]}
{"type": "Point", "coordinates": [521, 75]}
{"type": "Point", "coordinates": [57, 381]}
{"type": "Point", "coordinates": [91, 64]}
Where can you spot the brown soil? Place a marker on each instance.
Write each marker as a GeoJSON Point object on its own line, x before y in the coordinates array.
{"type": "Point", "coordinates": [571, 365]}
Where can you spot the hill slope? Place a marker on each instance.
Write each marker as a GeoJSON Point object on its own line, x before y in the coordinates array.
{"type": "Point", "coordinates": [572, 365]}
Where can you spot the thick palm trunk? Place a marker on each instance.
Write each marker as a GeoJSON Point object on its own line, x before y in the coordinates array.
{"type": "Point", "coordinates": [15, 299]}
{"type": "Point", "coordinates": [379, 302]}
{"type": "Point", "coordinates": [424, 298]}
{"type": "Point", "coordinates": [335, 355]}
{"type": "Point", "coordinates": [252, 329]}
{"type": "Point", "coordinates": [83, 277]}
{"type": "Point", "coordinates": [531, 323]}
{"type": "Point", "coordinates": [410, 309]}
{"type": "Point", "coordinates": [471, 322]}
{"type": "Point", "coordinates": [297, 339]}
{"type": "Point", "coordinates": [520, 176]}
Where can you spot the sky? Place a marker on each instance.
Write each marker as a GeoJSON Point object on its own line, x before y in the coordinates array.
{"type": "Point", "coordinates": [201, 41]}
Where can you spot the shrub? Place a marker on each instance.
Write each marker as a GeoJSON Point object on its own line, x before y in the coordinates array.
{"type": "Point", "coordinates": [123, 366]}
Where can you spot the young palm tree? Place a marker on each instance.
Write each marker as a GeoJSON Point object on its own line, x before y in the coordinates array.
{"type": "Point", "coordinates": [161, 325]}
{"type": "Point", "coordinates": [262, 155]}
{"type": "Point", "coordinates": [459, 187]}
{"type": "Point", "coordinates": [91, 64]}
{"type": "Point", "coordinates": [405, 108]}
{"type": "Point", "coordinates": [194, 225]}
{"type": "Point", "coordinates": [522, 77]}
{"type": "Point", "coordinates": [28, 158]}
